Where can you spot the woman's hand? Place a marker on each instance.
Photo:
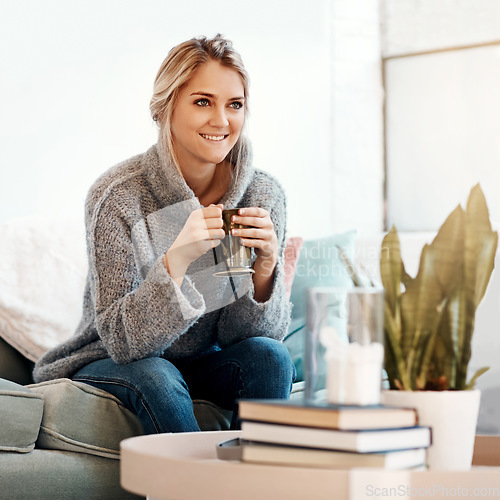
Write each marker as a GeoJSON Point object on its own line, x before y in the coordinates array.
{"type": "Point", "coordinates": [201, 232]}
{"type": "Point", "coordinates": [262, 238]}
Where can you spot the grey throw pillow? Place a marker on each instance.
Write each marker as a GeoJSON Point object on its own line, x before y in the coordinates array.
{"type": "Point", "coordinates": [20, 416]}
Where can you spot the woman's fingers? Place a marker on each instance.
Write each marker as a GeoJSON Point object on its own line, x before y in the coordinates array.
{"type": "Point", "coordinates": [212, 211]}
{"type": "Point", "coordinates": [253, 216]}
{"type": "Point", "coordinates": [257, 221]}
{"type": "Point", "coordinates": [214, 234]}
{"type": "Point", "coordinates": [253, 211]}
{"type": "Point", "coordinates": [259, 232]}
{"type": "Point", "coordinates": [258, 244]}
{"type": "Point", "coordinates": [260, 222]}
{"type": "Point", "coordinates": [249, 232]}
{"type": "Point", "coordinates": [214, 223]}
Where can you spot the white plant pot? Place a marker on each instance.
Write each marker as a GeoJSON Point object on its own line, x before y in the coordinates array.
{"type": "Point", "coordinates": [452, 415]}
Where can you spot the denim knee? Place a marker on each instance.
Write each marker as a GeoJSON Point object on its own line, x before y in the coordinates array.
{"type": "Point", "coordinates": [154, 374]}
{"type": "Point", "coordinates": [268, 357]}
{"type": "Point", "coordinates": [268, 349]}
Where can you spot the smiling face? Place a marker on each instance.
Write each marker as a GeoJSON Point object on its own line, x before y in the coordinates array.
{"type": "Point", "coordinates": [208, 116]}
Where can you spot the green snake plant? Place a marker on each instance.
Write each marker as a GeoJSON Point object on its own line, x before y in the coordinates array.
{"type": "Point", "coordinates": [429, 319]}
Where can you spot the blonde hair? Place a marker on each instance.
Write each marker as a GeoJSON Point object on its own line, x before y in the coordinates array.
{"type": "Point", "coordinates": [176, 70]}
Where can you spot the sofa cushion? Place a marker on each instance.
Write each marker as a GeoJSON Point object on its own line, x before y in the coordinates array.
{"type": "Point", "coordinates": [20, 416]}
{"type": "Point", "coordinates": [319, 264]}
{"type": "Point", "coordinates": [79, 417]}
{"type": "Point", "coordinates": [60, 475]}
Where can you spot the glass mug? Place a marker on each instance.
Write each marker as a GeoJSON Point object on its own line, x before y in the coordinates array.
{"type": "Point", "coordinates": [235, 258]}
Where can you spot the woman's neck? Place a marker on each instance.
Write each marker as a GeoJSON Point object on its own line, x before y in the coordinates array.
{"type": "Point", "coordinates": [210, 185]}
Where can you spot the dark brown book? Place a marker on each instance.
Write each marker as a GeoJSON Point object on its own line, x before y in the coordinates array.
{"type": "Point", "coordinates": [327, 416]}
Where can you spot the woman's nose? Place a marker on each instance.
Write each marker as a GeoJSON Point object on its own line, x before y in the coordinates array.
{"type": "Point", "coordinates": [218, 118]}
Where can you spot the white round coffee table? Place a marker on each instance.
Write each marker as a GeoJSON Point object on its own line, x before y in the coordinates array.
{"type": "Point", "coordinates": [185, 467]}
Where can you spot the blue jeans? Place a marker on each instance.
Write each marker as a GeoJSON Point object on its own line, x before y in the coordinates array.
{"type": "Point", "coordinates": [160, 392]}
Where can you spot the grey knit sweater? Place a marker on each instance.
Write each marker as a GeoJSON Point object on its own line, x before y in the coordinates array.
{"type": "Point", "coordinates": [132, 309]}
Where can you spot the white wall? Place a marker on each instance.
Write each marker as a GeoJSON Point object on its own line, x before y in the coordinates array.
{"type": "Point", "coordinates": [356, 138]}
{"type": "Point", "coordinates": [442, 109]}
{"type": "Point", "coordinates": [420, 25]}
{"type": "Point", "coordinates": [77, 78]}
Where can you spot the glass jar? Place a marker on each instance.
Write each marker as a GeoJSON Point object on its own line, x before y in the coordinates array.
{"type": "Point", "coordinates": [344, 345]}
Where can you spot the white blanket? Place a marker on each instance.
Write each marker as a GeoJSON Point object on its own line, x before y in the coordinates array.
{"type": "Point", "coordinates": [43, 266]}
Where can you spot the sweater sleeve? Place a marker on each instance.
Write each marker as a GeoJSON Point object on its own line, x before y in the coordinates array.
{"type": "Point", "coordinates": [246, 317]}
{"type": "Point", "coordinates": [135, 316]}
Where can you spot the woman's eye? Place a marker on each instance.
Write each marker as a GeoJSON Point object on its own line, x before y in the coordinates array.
{"type": "Point", "coordinates": [236, 105]}
{"type": "Point", "coordinates": [202, 102]}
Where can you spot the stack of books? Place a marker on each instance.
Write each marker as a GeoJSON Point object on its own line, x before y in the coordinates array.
{"type": "Point", "coordinates": [288, 432]}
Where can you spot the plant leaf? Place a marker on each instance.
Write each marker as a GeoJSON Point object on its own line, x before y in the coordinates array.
{"type": "Point", "coordinates": [394, 359]}
{"type": "Point", "coordinates": [350, 267]}
{"type": "Point", "coordinates": [480, 249]}
{"type": "Point", "coordinates": [448, 248]}
{"type": "Point", "coordinates": [391, 268]}
{"type": "Point", "coordinates": [480, 227]}
{"type": "Point", "coordinates": [472, 381]}
{"type": "Point", "coordinates": [446, 354]}
{"type": "Point", "coordinates": [420, 304]}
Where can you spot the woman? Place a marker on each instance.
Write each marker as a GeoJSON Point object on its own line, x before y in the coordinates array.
{"type": "Point", "coordinates": [158, 328]}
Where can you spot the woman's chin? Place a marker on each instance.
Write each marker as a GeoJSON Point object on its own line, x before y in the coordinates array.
{"type": "Point", "coordinates": [216, 159]}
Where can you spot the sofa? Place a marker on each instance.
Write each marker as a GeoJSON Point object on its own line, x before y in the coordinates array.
{"type": "Point", "coordinates": [60, 439]}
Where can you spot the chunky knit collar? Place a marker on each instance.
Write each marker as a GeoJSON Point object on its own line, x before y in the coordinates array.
{"type": "Point", "coordinates": [169, 186]}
